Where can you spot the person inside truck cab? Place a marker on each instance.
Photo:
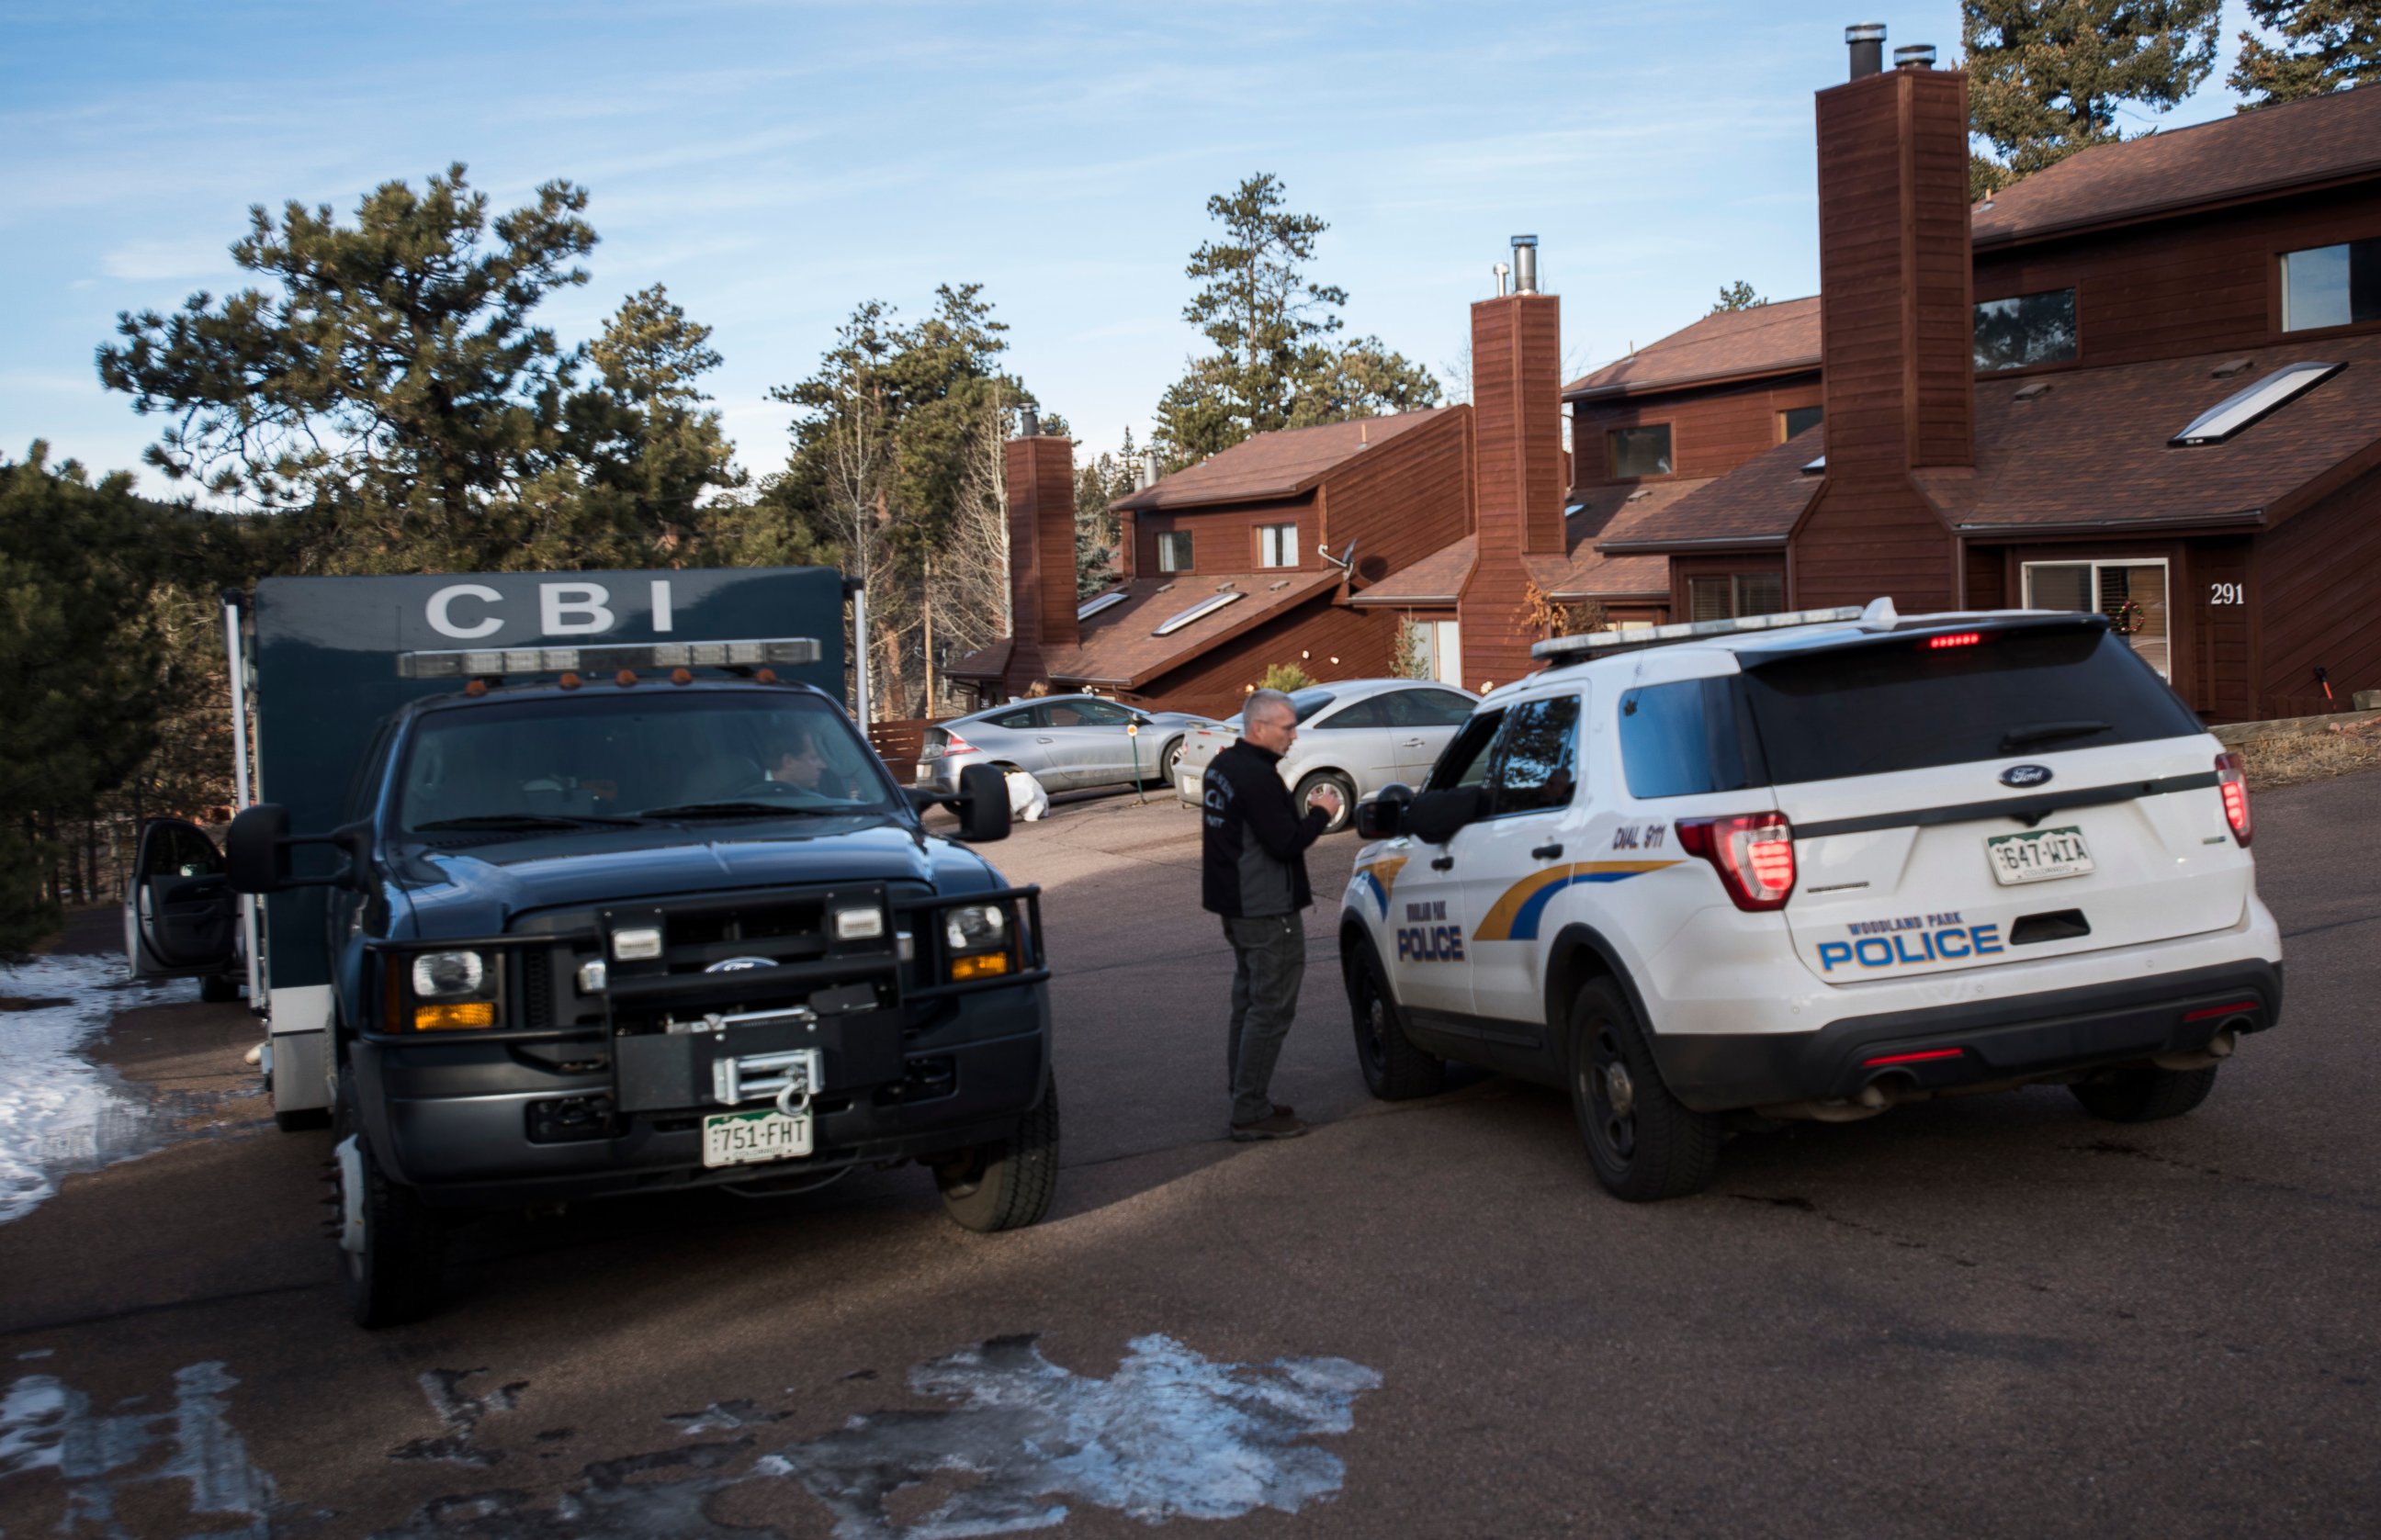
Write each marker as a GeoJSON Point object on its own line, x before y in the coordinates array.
{"type": "Point", "coordinates": [803, 763]}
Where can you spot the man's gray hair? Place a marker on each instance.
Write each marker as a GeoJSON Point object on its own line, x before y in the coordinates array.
{"type": "Point", "coordinates": [1267, 701]}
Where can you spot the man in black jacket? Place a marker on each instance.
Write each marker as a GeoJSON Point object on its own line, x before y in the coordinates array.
{"type": "Point", "coordinates": [1252, 872]}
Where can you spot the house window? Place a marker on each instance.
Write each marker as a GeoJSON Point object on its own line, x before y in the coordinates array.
{"type": "Point", "coordinates": [1640, 451]}
{"type": "Point", "coordinates": [1735, 594]}
{"type": "Point", "coordinates": [2131, 594]}
{"type": "Point", "coordinates": [1276, 545]}
{"type": "Point", "coordinates": [2030, 329]}
{"type": "Point", "coordinates": [1174, 550]}
{"type": "Point", "coordinates": [2331, 286]}
{"type": "Point", "coordinates": [1798, 419]}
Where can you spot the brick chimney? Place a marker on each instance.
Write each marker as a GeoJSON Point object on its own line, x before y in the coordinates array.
{"type": "Point", "coordinates": [1518, 483]}
{"type": "Point", "coordinates": [1040, 474]}
{"type": "Point", "coordinates": [1896, 324]}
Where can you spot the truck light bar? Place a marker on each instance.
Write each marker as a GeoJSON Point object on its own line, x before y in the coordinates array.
{"type": "Point", "coordinates": [491, 662]}
{"type": "Point", "coordinates": [1613, 641]}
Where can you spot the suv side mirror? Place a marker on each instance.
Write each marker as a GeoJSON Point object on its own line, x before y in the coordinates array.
{"type": "Point", "coordinates": [257, 847]}
{"type": "Point", "coordinates": [1381, 816]}
{"type": "Point", "coordinates": [1434, 816]}
{"type": "Point", "coordinates": [983, 803]}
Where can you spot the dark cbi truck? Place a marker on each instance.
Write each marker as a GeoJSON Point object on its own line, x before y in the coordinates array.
{"type": "Point", "coordinates": [585, 885]}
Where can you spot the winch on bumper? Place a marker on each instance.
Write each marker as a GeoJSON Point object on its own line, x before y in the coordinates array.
{"type": "Point", "coordinates": [679, 1058]}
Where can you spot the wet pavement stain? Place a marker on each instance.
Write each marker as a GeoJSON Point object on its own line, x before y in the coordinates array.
{"type": "Point", "coordinates": [461, 1415]}
{"type": "Point", "coordinates": [1171, 1434]}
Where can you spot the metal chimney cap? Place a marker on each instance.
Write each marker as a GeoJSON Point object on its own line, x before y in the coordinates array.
{"type": "Point", "coordinates": [1865, 31]}
{"type": "Point", "coordinates": [1520, 241]}
{"type": "Point", "coordinates": [1915, 55]}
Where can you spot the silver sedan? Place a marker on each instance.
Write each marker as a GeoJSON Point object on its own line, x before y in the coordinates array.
{"type": "Point", "coordinates": [1357, 734]}
{"type": "Point", "coordinates": [1066, 742]}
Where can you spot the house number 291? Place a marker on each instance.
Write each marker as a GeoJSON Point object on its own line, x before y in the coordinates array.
{"type": "Point", "coordinates": [2228, 593]}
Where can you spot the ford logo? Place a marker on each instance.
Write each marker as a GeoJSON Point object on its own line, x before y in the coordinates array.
{"type": "Point", "coordinates": [738, 964]}
{"type": "Point", "coordinates": [2026, 775]}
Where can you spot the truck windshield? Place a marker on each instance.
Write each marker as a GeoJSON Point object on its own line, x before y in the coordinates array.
{"type": "Point", "coordinates": [603, 755]}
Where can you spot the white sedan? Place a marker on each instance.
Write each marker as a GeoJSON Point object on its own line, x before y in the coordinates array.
{"type": "Point", "coordinates": [1357, 734]}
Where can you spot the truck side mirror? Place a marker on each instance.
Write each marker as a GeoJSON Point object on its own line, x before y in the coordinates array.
{"type": "Point", "coordinates": [256, 851]}
{"type": "Point", "coordinates": [257, 847]}
{"type": "Point", "coordinates": [983, 804]}
{"type": "Point", "coordinates": [1381, 816]}
{"type": "Point", "coordinates": [1434, 817]}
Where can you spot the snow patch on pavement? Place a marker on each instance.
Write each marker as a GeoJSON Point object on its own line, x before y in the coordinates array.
{"type": "Point", "coordinates": [1171, 1434]}
{"type": "Point", "coordinates": [46, 1423]}
{"type": "Point", "coordinates": [59, 1112]}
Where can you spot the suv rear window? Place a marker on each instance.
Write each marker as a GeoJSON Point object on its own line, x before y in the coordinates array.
{"type": "Point", "coordinates": [1898, 703]}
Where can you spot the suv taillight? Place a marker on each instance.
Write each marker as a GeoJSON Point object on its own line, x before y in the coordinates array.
{"type": "Point", "coordinates": [2232, 781]}
{"type": "Point", "coordinates": [1753, 854]}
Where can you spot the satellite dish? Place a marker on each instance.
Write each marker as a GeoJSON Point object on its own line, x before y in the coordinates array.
{"type": "Point", "coordinates": [1346, 560]}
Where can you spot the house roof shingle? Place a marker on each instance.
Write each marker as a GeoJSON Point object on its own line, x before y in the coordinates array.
{"type": "Point", "coordinates": [2267, 152]}
{"type": "Point", "coordinates": [1436, 579]}
{"type": "Point", "coordinates": [1783, 334]}
{"type": "Point", "coordinates": [1281, 464]}
{"type": "Point", "coordinates": [1118, 648]}
{"type": "Point", "coordinates": [2088, 452]}
{"type": "Point", "coordinates": [1756, 504]}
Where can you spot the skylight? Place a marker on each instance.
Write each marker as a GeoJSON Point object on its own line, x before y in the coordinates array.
{"type": "Point", "coordinates": [1203, 608]}
{"type": "Point", "coordinates": [1091, 607]}
{"type": "Point", "coordinates": [2268, 396]}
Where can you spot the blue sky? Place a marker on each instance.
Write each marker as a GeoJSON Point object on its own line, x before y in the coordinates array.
{"type": "Point", "coordinates": [775, 163]}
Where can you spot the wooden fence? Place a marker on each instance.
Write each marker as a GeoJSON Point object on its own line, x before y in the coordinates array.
{"type": "Point", "coordinates": [897, 743]}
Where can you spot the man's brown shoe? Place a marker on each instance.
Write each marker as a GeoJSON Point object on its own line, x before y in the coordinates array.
{"type": "Point", "coordinates": [1280, 1125]}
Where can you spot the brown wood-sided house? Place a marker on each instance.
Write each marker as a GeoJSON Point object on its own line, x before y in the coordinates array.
{"type": "Point", "coordinates": [2145, 381]}
{"type": "Point", "coordinates": [1224, 566]}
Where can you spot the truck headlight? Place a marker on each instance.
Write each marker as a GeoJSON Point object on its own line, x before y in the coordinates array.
{"type": "Point", "coordinates": [977, 938]}
{"type": "Point", "coordinates": [444, 975]}
{"type": "Point", "coordinates": [452, 991]}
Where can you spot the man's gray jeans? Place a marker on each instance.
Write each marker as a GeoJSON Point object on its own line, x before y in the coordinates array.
{"type": "Point", "coordinates": [1268, 965]}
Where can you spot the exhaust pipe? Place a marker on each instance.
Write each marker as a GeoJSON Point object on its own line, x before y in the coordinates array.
{"type": "Point", "coordinates": [2219, 1047]}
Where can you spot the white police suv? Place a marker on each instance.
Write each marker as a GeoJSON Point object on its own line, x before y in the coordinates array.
{"type": "Point", "coordinates": [1811, 866]}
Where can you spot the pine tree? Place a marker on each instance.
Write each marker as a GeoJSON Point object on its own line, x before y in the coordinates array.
{"type": "Point", "coordinates": [1279, 361]}
{"type": "Point", "coordinates": [2326, 45]}
{"type": "Point", "coordinates": [1738, 296]}
{"type": "Point", "coordinates": [2046, 77]}
{"type": "Point", "coordinates": [390, 391]}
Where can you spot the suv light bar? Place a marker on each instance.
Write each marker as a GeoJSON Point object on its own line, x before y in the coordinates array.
{"type": "Point", "coordinates": [491, 662]}
{"type": "Point", "coordinates": [1615, 641]}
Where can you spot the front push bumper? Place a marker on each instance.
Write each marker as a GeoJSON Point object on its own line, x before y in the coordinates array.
{"type": "Point", "coordinates": [2057, 1035]}
{"type": "Point", "coordinates": [968, 1085]}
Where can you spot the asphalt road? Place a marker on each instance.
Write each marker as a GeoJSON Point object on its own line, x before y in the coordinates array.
{"type": "Point", "coordinates": [1989, 1316]}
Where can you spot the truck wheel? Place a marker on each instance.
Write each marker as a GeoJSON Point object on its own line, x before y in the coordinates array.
{"type": "Point", "coordinates": [1394, 1069]}
{"type": "Point", "coordinates": [1006, 1186]}
{"type": "Point", "coordinates": [218, 988]}
{"type": "Point", "coordinates": [392, 1246]}
{"type": "Point", "coordinates": [1337, 783]}
{"type": "Point", "coordinates": [1644, 1144]}
{"type": "Point", "coordinates": [2146, 1094]}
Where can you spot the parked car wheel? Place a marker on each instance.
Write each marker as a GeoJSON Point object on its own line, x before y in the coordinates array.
{"type": "Point", "coordinates": [1345, 788]}
{"type": "Point", "coordinates": [1169, 759]}
{"type": "Point", "coordinates": [1009, 1185]}
{"type": "Point", "coordinates": [1644, 1144]}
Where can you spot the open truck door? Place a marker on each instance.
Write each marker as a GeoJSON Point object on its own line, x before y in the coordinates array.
{"type": "Point", "coordinates": [180, 916]}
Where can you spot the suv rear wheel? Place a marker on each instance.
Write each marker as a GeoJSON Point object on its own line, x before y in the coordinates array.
{"type": "Point", "coordinates": [1394, 1069]}
{"type": "Point", "coordinates": [2146, 1094]}
{"type": "Point", "coordinates": [1645, 1144]}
